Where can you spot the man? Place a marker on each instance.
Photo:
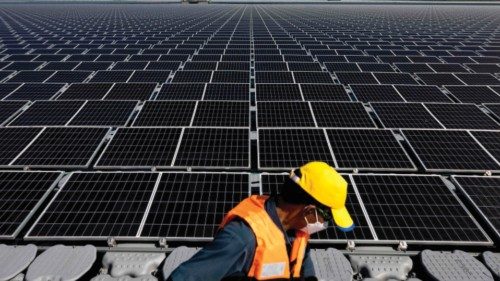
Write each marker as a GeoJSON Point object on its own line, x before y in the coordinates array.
{"type": "Point", "coordinates": [265, 238]}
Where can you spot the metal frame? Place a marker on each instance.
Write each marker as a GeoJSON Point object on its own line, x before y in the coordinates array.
{"type": "Point", "coordinates": [38, 204]}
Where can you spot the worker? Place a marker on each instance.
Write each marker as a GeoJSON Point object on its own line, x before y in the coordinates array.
{"type": "Point", "coordinates": [265, 237]}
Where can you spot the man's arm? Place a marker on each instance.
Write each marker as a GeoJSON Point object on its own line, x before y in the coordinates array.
{"type": "Point", "coordinates": [231, 252]}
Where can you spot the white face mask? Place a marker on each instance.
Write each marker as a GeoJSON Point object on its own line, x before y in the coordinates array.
{"type": "Point", "coordinates": [312, 228]}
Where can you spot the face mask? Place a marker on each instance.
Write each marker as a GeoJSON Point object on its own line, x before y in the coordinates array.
{"type": "Point", "coordinates": [312, 228]}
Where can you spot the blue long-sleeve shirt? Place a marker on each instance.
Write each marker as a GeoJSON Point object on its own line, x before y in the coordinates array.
{"type": "Point", "coordinates": [230, 254]}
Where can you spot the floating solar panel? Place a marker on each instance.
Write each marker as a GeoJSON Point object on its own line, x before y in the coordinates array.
{"type": "Point", "coordinates": [85, 91]}
{"type": "Point", "coordinates": [192, 76]}
{"type": "Point", "coordinates": [417, 209]}
{"type": "Point", "coordinates": [275, 153]}
{"type": "Point", "coordinates": [271, 66]}
{"type": "Point", "coordinates": [144, 76]}
{"type": "Point", "coordinates": [273, 77]}
{"type": "Point", "coordinates": [165, 113]}
{"type": "Point", "coordinates": [30, 76]}
{"type": "Point", "coordinates": [310, 77]}
{"type": "Point", "coordinates": [494, 108]}
{"type": "Point", "coordinates": [376, 67]}
{"type": "Point", "coordinates": [376, 93]}
{"type": "Point", "coordinates": [131, 91]}
{"type": "Point", "coordinates": [405, 115]}
{"type": "Point", "coordinates": [462, 116]}
{"type": "Point", "coordinates": [48, 113]}
{"type": "Point", "coordinates": [439, 79]}
{"type": "Point", "coordinates": [474, 94]}
{"type": "Point", "coordinates": [227, 91]}
{"type": "Point", "coordinates": [368, 149]}
{"type": "Point", "coordinates": [324, 92]}
{"type": "Point", "coordinates": [130, 65]}
{"type": "Point", "coordinates": [163, 65]}
{"type": "Point", "coordinates": [478, 79]}
{"type": "Point", "coordinates": [447, 67]}
{"type": "Point", "coordinates": [490, 140]}
{"type": "Point", "coordinates": [94, 66]}
{"type": "Point", "coordinates": [62, 147]}
{"type": "Point", "coordinates": [96, 206]}
{"type": "Point", "coordinates": [111, 76]}
{"type": "Point", "coordinates": [447, 150]}
{"type": "Point", "coordinates": [35, 91]}
{"type": "Point", "coordinates": [188, 206]}
{"type": "Point", "coordinates": [413, 93]}
{"type": "Point", "coordinates": [284, 114]}
{"type": "Point", "coordinates": [181, 91]}
{"type": "Point", "coordinates": [69, 77]}
{"type": "Point", "coordinates": [214, 148]}
{"type": "Point", "coordinates": [231, 77]}
{"type": "Point", "coordinates": [8, 109]}
{"type": "Point", "coordinates": [342, 67]}
{"type": "Point", "coordinates": [140, 148]}
{"type": "Point", "coordinates": [414, 67]}
{"type": "Point", "coordinates": [234, 66]}
{"type": "Point", "coordinates": [347, 78]}
{"type": "Point", "coordinates": [13, 141]}
{"type": "Point", "coordinates": [395, 78]}
{"type": "Point", "coordinates": [270, 184]}
{"type": "Point", "coordinates": [222, 114]}
{"type": "Point", "coordinates": [278, 92]}
{"type": "Point", "coordinates": [22, 193]}
{"type": "Point", "coordinates": [6, 89]}
{"type": "Point", "coordinates": [104, 113]}
{"type": "Point", "coordinates": [484, 68]}
{"type": "Point", "coordinates": [484, 194]}
{"type": "Point", "coordinates": [341, 114]}
{"type": "Point", "coordinates": [304, 66]}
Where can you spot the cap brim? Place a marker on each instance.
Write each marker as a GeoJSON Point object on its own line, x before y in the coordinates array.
{"type": "Point", "coordinates": [342, 219]}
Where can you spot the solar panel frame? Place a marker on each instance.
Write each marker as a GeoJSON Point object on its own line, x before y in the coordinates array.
{"type": "Point", "coordinates": [401, 116]}
{"type": "Point", "coordinates": [293, 114]}
{"type": "Point", "coordinates": [43, 196]}
{"type": "Point", "coordinates": [478, 206]}
{"type": "Point", "coordinates": [221, 114]}
{"type": "Point", "coordinates": [469, 116]}
{"type": "Point", "coordinates": [405, 218]}
{"type": "Point", "coordinates": [95, 113]}
{"type": "Point", "coordinates": [156, 208]}
{"type": "Point", "coordinates": [32, 236]}
{"type": "Point", "coordinates": [472, 146]}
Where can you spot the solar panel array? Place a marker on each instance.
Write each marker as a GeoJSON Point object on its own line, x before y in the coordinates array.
{"type": "Point", "coordinates": [176, 113]}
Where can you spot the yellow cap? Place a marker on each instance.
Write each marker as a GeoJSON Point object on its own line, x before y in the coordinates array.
{"type": "Point", "coordinates": [328, 187]}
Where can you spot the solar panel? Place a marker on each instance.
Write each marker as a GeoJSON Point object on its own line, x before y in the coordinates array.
{"type": "Point", "coordinates": [69, 77]}
{"type": "Point", "coordinates": [368, 149]}
{"type": "Point", "coordinates": [35, 91]}
{"type": "Point", "coordinates": [214, 147]}
{"type": "Point", "coordinates": [144, 76]}
{"type": "Point", "coordinates": [273, 77]}
{"type": "Point", "coordinates": [474, 94]}
{"type": "Point", "coordinates": [186, 76]}
{"type": "Point", "coordinates": [447, 67]}
{"type": "Point", "coordinates": [162, 113]}
{"type": "Point", "coordinates": [8, 109]}
{"type": "Point", "coordinates": [48, 113]}
{"type": "Point", "coordinates": [341, 114]}
{"type": "Point", "coordinates": [278, 92]}
{"type": "Point", "coordinates": [96, 206]}
{"type": "Point", "coordinates": [62, 147]}
{"type": "Point", "coordinates": [342, 67]}
{"type": "Point", "coordinates": [484, 68]}
{"type": "Point", "coordinates": [417, 209]}
{"type": "Point", "coordinates": [222, 114]}
{"type": "Point", "coordinates": [104, 113]}
{"type": "Point", "coordinates": [376, 67]}
{"type": "Point", "coordinates": [181, 91]}
{"type": "Point", "coordinates": [131, 91]}
{"type": "Point", "coordinates": [163, 65]}
{"type": "Point", "coordinates": [227, 91]}
{"type": "Point", "coordinates": [111, 76]}
{"type": "Point", "coordinates": [310, 77]}
{"type": "Point", "coordinates": [13, 141]}
{"type": "Point", "coordinates": [303, 66]}
{"type": "Point", "coordinates": [483, 193]}
{"type": "Point", "coordinates": [22, 193]}
{"type": "Point", "coordinates": [85, 91]}
{"type": "Point", "coordinates": [347, 78]}
{"type": "Point", "coordinates": [284, 114]}
{"type": "Point", "coordinates": [478, 79]}
{"type": "Point", "coordinates": [376, 93]}
{"type": "Point", "coordinates": [447, 150]}
{"type": "Point", "coordinates": [395, 78]}
{"type": "Point", "coordinates": [494, 108]}
{"type": "Point", "coordinates": [308, 145]}
{"type": "Point", "coordinates": [231, 77]}
{"type": "Point", "coordinates": [140, 148]}
{"type": "Point", "coordinates": [413, 67]}
{"type": "Point", "coordinates": [439, 79]}
{"type": "Point", "coordinates": [130, 65]}
{"type": "Point", "coordinates": [270, 183]}
{"type": "Point", "coordinates": [6, 89]}
{"type": "Point", "coordinates": [188, 206]}
{"type": "Point", "coordinates": [405, 115]}
{"type": "Point", "coordinates": [490, 140]}
{"type": "Point", "coordinates": [412, 93]}
{"type": "Point", "coordinates": [462, 116]}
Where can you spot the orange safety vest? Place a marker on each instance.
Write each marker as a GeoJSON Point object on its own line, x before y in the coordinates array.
{"type": "Point", "coordinates": [271, 260]}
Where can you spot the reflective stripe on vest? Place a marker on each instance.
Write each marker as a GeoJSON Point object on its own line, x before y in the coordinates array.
{"type": "Point", "coordinates": [271, 259]}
